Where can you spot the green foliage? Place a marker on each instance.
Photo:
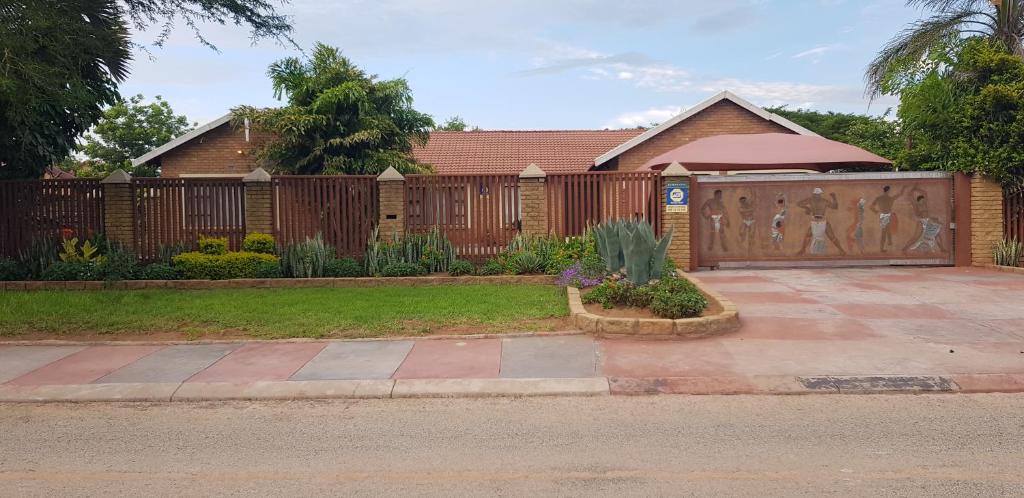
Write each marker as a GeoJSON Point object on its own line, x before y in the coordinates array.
{"type": "Point", "coordinates": [491, 267]}
{"type": "Point", "coordinates": [60, 62]}
{"type": "Point", "coordinates": [39, 255]}
{"type": "Point", "coordinates": [12, 270]}
{"type": "Point", "coordinates": [259, 242]}
{"type": "Point", "coordinates": [569, 250]}
{"type": "Point", "coordinates": [874, 133]}
{"type": "Point", "coordinates": [1008, 252]}
{"type": "Point", "coordinates": [461, 267]}
{"type": "Point", "coordinates": [269, 269]}
{"type": "Point", "coordinates": [129, 129]}
{"type": "Point", "coordinates": [432, 250]}
{"type": "Point", "coordinates": [338, 119]}
{"type": "Point", "coordinates": [306, 259]}
{"type": "Point", "coordinates": [201, 266]}
{"type": "Point", "coordinates": [344, 267]}
{"type": "Point", "coordinates": [71, 270]}
{"type": "Point", "coordinates": [158, 271]}
{"type": "Point", "coordinates": [632, 246]}
{"type": "Point", "coordinates": [678, 304]}
{"type": "Point", "coordinates": [259, 15]}
{"type": "Point", "coordinates": [669, 297]}
{"type": "Point", "coordinates": [402, 269]}
{"type": "Point", "coordinates": [117, 264]}
{"type": "Point", "coordinates": [453, 123]}
{"type": "Point", "coordinates": [213, 245]}
{"type": "Point", "coordinates": [167, 252]}
{"type": "Point", "coordinates": [71, 253]}
{"type": "Point", "coordinates": [525, 263]}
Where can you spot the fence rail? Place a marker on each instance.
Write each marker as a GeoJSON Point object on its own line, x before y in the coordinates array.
{"type": "Point", "coordinates": [48, 208]}
{"type": "Point", "coordinates": [577, 201]}
{"type": "Point", "coordinates": [180, 210]}
{"type": "Point", "coordinates": [480, 214]}
{"type": "Point", "coordinates": [1013, 213]}
{"type": "Point", "coordinates": [342, 208]}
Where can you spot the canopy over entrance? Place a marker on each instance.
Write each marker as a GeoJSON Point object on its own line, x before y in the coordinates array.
{"type": "Point", "coordinates": [766, 151]}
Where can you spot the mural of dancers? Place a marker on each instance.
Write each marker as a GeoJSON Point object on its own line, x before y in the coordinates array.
{"type": "Point", "coordinates": [713, 211]}
{"type": "Point", "coordinates": [855, 235]}
{"type": "Point", "coordinates": [882, 205]}
{"type": "Point", "coordinates": [778, 223]}
{"type": "Point", "coordinates": [816, 206]}
{"type": "Point", "coordinates": [748, 227]}
{"type": "Point", "coordinates": [929, 233]}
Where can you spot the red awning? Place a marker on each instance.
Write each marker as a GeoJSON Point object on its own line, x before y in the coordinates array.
{"type": "Point", "coordinates": [766, 151]}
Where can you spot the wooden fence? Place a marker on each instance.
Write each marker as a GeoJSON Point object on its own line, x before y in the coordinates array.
{"type": "Point", "coordinates": [180, 210]}
{"type": "Point", "coordinates": [479, 213]}
{"type": "Point", "coordinates": [48, 208]}
{"type": "Point", "coordinates": [1013, 213]}
{"type": "Point", "coordinates": [577, 201]}
{"type": "Point", "coordinates": [342, 208]}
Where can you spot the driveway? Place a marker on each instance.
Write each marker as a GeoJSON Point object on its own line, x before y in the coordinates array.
{"type": "Point", "coordinates": [848, 322]}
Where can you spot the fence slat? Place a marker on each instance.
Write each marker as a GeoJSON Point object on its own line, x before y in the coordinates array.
{"type": "Point", "coordinates": [577, 201]}
{"type": "Point", "coordinates": [48, 208]}
{"type": "Point", "coordinates": [343, 209]}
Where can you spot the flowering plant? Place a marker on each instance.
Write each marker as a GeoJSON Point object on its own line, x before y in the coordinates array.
{"type": "Point", "coordinates": [576, 276]}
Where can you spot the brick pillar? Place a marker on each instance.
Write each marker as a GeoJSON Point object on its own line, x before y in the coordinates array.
{"type": "Point", "coordinates": [259, 206]}
{"type": "Point", "coordinates": [533, 200]}
{"type": "Point", "coordinates": [391, 190]}
{"type": "Point", "coordinates": [986, 218]}
{"type": "Point", "coordinates": [677, 218]}
{"type": "Point", "coordinates": [118, 208]}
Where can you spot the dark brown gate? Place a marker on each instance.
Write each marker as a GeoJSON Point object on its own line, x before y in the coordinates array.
{"type": "Point", "coordinates": [823, 219]}
{"type": "Point", "coordinates": [580, 200]}
{"type": "Point", "coordinates": [48, 208]}
{"type": "Point", "coordinates": [341, 208]}
{"type": "Point", "coordinates": [180, 210]}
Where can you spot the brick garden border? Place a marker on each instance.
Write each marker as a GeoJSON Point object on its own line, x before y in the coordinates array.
{"type": "Point", "coordinates": [271, 283]}
{"type": "Point", "coordinates": [725, 321]}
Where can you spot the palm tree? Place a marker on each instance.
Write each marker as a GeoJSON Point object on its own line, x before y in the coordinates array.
{"type": "Point", "coordinates": [1001, 21]}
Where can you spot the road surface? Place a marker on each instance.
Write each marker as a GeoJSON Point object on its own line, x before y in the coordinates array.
{"type": "Point", "coordinates": [934, 445]}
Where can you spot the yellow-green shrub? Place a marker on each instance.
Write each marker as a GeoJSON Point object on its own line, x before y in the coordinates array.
{"type": "Point", "coordinates": [243, 264]}
{"type": "Point", "coordinates": [213, 245]}
{"type": "Point", "coordinates": [259, 242]}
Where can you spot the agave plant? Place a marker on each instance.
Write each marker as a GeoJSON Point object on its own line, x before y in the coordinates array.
{"type": "Point", "coordinates": [1008, 252]}
{"type": "Point", "coordinates": [306, 259]}
{"type": "Point", "coordinates": [432, 250]}
{"type": "Point", "coordinates": [632, 246]}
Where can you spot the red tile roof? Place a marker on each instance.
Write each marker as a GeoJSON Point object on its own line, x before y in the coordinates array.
{"type": "Point", "coordinates": [555, 151]}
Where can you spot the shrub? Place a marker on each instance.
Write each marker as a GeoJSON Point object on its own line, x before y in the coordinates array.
{"type": "Point", "coordinates": [343, 267]}
{"type": "Point", "coordinates": [668, 298]}
{"type": "Point", "coordinates": [402, 270]}
{"type": "Point", "coordinates": [572, 249]}
{"type": "Point", "coordinates": [577, 276]}
{"type": "Point", "coordinates": [71, 253]}
{"type": "Point", "coordinates": [11, 270]}
{"type": "Point", "coordinates": [71, 270]}
{"type": "Point", "coordinates": [678, 304]}
{"type": "Point", "coordinates": [197, 265]}
{"type": "Point", "coordinates": [461, 267]}
{"type": "Point", "coordinates": [306, 259]}
{"type": "Point", "coordinates": [268, 269]}
{"type": "Point", "coordinates": [158, 271]}
{"type": "Point", "coordinates": [491, 267]}
{"type": "Point", "coordinates": [169, 251]}
{"type": "Point", "coordinates": [525, 263]}
{"type": "Point", "coordinates": [39, 255]}
{"type": "Point", "coordinates": [1008, 252]}
{"type": "Point", "coordinates": [118, 264]}
{"type": "Point", "coordinates": [432, 250]}
{"type": "Point", "coordinates": [214, 246]}
{"type": "Point", "coordinates": [258, 242]}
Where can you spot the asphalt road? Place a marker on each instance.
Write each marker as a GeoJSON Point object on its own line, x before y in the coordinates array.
{"type": "Point", "coordinates": [956, 445]}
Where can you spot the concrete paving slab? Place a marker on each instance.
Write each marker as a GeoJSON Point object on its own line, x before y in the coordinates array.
{"type": "Point", "coordinates": [85, 366]}
{"type": "Point", "coordinates": [809, 358]}
{"type": "Point", "coordinates": [171, 364]}
{"type": "Point", "coordinates": [785, 329]}
{"type": "Point", "coordinates": [894, 311]}
{"type": "Point", "coordinates": [452, 359]}
{"type": "Point", "coordinates": [87, 392]}
{"type": "Point", "coordinates": [952, 331]}
{"type": "Point", "coordinates": [478, 388]}
{"type": "Point", "coordinates": [637, 359]}
{"type": "Point", "coordinates": [260, 362]}
{"type": "Point", "coordinates": [356, 360]}
{"type": "Point", "coordinates": [548, 357]}
{"type": "Point", "coordinates": [16, 361]}
{"type": "Point", "coordinates": [813, 311]}
{"type": "Point", "coordinates": [266, 390]}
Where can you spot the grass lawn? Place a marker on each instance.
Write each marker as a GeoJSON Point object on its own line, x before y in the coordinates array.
{"type": "Point", "coordinates": [280, 313]}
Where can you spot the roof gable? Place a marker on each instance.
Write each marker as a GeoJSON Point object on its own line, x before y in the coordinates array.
{"type": "Point", "coordinates": [159, 151]}
{"type": "Point", "coordinates": [725, 95]}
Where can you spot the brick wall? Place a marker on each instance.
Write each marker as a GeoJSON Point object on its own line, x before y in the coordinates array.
{"type": "Point", "coordinates": [533, 196]}
{"type": "Point", "coordinates": [214, 152]}
{"type": "Point", "coordinates": [259, 215]}
{"type": "Point", "coordinates": [722, 118]}
{"type": "Point", "coordinates": [392, 208]}
{"type": "Point", "coordinates": [986, 218]}
{"type": "Point", "coordinates": [119, 213]}
{"type": "Point", "coordinates": [679, 223]}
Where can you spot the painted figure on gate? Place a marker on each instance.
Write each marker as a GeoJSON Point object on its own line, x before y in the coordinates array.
{"type": "Point", "coordinates": [779, 223]}
{"type": "Point", "coordinates": [929, 231]}
{"type": "Point", "coordinates": [748, 229]}
{"type": "Point", "coordinates": [883, 206]}
{"type": "Point", "coordinates": [816, 206]}
{"type": "Point", "coordinates": [855, 235]}
{"type": "Point", "coordinates": [713, 210]}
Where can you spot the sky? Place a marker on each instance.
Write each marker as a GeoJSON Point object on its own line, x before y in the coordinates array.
{"type": "Point", "coordinates": [550, 64]}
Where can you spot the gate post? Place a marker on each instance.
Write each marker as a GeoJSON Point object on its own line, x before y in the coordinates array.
{"type": "Point", "coordinates": [677, 216]}
{"type": "Point", "coordinates": [533, 199]}
{"type": "Point", "coordinates": [986, 228]}
{"type": "Point", "coordinates": [391, 187]}
{"type": "Point", "coordinates": [259, 206]}
{"type": "Point", "coordinates": [118, 208]}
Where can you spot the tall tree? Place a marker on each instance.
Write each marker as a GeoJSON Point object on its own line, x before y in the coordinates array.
{"type": "Point", "coordinates": [453, 123]}
{"type": "Point", "coordinates": [60, 62]}
{"type": "Point", "coordinates": [259, 15]}
{"type": "Point", "coordinates": [877, 134]}
{"type": "Point", "coordinates": [338, 118]}
{"type": "Point", "coordinates": [1001, 21]}
{"type": "Point", "coordinates": [128, 130]}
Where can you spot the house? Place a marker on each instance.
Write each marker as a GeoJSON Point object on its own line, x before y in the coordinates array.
{"type": "Point", "coordinates": [218, 149]}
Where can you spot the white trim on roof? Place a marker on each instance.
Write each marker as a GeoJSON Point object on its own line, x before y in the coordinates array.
{"type": "Point", "coordinates": [157, 152]}
{"type": "Point", "coordinates": [725, 95]}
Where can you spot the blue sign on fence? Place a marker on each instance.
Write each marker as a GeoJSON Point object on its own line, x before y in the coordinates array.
{"type": "Point", "coordinates": [677, 197]}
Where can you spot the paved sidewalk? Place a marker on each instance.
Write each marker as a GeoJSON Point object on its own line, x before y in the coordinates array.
{"type": "Point", "coordinates": [803, 331]}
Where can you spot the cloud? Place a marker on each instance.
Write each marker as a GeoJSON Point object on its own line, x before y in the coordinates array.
{"type": "Point", "coordinates": [724, 21]}
{"type": "Point", "coordinates": [816, 53]}
{"type": "Point", "coordinates": [644, 118]}
{"type": "Point", "coordinates": [621, 61]}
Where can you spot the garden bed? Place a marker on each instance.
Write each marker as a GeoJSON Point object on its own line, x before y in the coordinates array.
{"type": "Point", "coordinates": [243, 283]}
{"type": "Point", "coordinates": [169, 314]}
{"type": "Point", "coordinates": [720, 316]}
